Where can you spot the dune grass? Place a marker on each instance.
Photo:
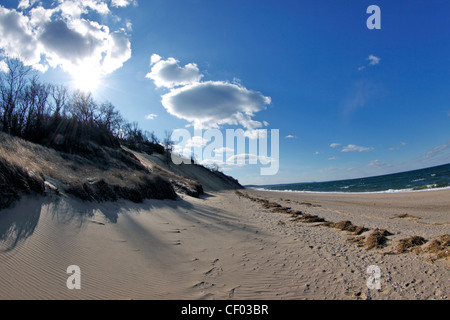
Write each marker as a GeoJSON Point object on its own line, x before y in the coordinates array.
{"type": "Point", "coordinates": [377, 239]}
{"type": "Point", "coordinates": [438, 248]}
{"type": "Point", "coordinates": [407, 244]}
{"type": "Point", "coordinates": [309, 218]}
{"type": "Point", "coordinates": [102, 174]}
{"type": "Point", "coordinates": [346, 226]}
{"type": "Point", "coordinates": [15, 180]}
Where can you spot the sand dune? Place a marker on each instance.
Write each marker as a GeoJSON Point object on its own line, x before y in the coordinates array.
{"type": "Point", "coordinates": [220, 246]}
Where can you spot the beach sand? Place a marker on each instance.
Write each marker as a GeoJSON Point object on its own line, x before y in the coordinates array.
{"type": "Point", "coordinates": [221, 246]}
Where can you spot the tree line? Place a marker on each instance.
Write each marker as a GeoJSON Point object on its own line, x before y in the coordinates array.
{"type": "Point", "coordinates": [68, 121]}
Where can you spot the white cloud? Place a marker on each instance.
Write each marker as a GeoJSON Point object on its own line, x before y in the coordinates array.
{"type": "Point", "coordinates": [129, 25]}
{"type": "Point", "coordinates": [223, 150]}
{"type": "Point", "coordinates": [255, 134]}
{"type": "Point", "coordinates": [39, 16]}
{"type": "Point", "coordinates": [189, 144]}
{"type": "Point", "coordinates": [74, 9]}
{"type": "Point", "coordinates": [169, 74]}
{"type": "Point", "coordinates": [212, 162]}
{"type": "Point", "coordinates": [16, 38]}
{"type": "Point", "coordinates": [197, 142]}
{"type": "Point", "coordinates": [40, 67]}
{"type": "Point", "coordinates": [334, 145]}
{"type": "Point", "coordinates": [206, 104]}
{"type": "Point", "coordinates": [354, 148]}
{"type": "Point", "coordinates": [3, 67]}
{"type": "Point", "coordinates": [437, 150]}
{"type": "Point", "coordinates": [246, 158]}
{"type": "Point", "coordinates": [373, 60]}
{"type": "Point", "coordinates": [84, 44]}
{"type": "Point", "coordinates": [59, 37]}
{"type": "Point", "coordinates": [151, 116]}
{"type": "Point", "coordinates": [96, 5]}
{"type": "Point", "coordinates": [290, 136]}
{"type": "Point", "coordinates": [237, 81]}
{"type": "Point", "coordinates": [379, 164]}
{"type": "Point", "coordinates": [214, 103]}
{"type": "Point", "coordinates": [155, 58]}
{"type": "Point", "coordinates": [25, 4]}
{"type": "Point", "coordinates": [332, 158]}
{"type": "Point", "coordinates": [123, 3]}
{"type": "Point", "coordinates": [68, 46]}
{"type": "Point", "coordinates": [118, 51]}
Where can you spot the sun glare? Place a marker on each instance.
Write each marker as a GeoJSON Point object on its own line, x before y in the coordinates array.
{"type": "Point", "coordinates": [86, 80]}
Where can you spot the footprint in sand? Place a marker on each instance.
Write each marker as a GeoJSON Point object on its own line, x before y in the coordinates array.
{"type": "Point", "coordinates": [203, 285]}
{"type": "Point", "coordinates": [215, 270]}
{"type": "Point", "coordinates": [176, 230]}
{"type": "Point", "coordinates": [97, 222]}
{"type": "Point", "coordinates": [232, 292]}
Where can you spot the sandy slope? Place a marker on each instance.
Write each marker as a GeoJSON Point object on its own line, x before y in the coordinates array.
{"type": "Point", "coordinates": [210, 181]}
{"type": "Point", "coordinates": [220, 246]}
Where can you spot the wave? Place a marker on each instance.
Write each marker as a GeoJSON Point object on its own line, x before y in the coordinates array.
{"type": "Point", "coordinates": [436, 178]}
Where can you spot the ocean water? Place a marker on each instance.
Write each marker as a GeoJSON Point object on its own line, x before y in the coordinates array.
{"type": "Point", "coordinates": [417, 180]}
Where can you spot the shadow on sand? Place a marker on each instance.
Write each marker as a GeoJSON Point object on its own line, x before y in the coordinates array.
{"type": "Point", "coordinates": [18, 222]}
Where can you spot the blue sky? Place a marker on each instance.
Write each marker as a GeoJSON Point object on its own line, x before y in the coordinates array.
{"type": "Point", "coordinates": [348, 101]}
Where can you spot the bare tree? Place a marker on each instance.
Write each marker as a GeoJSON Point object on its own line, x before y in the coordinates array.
{"type": "Point", "coordinates": [83, 107]}
{"type": "Point", "coordinates": [109, 117]}
{"type": "Point", "coordinates": [153, 138]}
{"type": "Point", "coordinates": [51, 115]}
{"type": "Point", "coordinates": [12, 87]}
{"type": "Point", "coordinates": [132, 132]}
{"type": "Point", "coordinates": [168, 145]}
{"type": "Point", "coordinates": [60, 97]}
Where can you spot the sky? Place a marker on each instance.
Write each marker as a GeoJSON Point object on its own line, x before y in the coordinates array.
{"type": "Point", "coordinates": [348, 101]}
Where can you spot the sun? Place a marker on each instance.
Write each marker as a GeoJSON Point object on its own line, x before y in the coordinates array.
{"type": "Point", "coordinates": [86, 80]}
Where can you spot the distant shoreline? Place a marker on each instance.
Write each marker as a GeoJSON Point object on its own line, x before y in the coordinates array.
{"type": "Point", "coordinates": [433, 178]}
{"type": "Point", "coordinates": [343, 192]}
